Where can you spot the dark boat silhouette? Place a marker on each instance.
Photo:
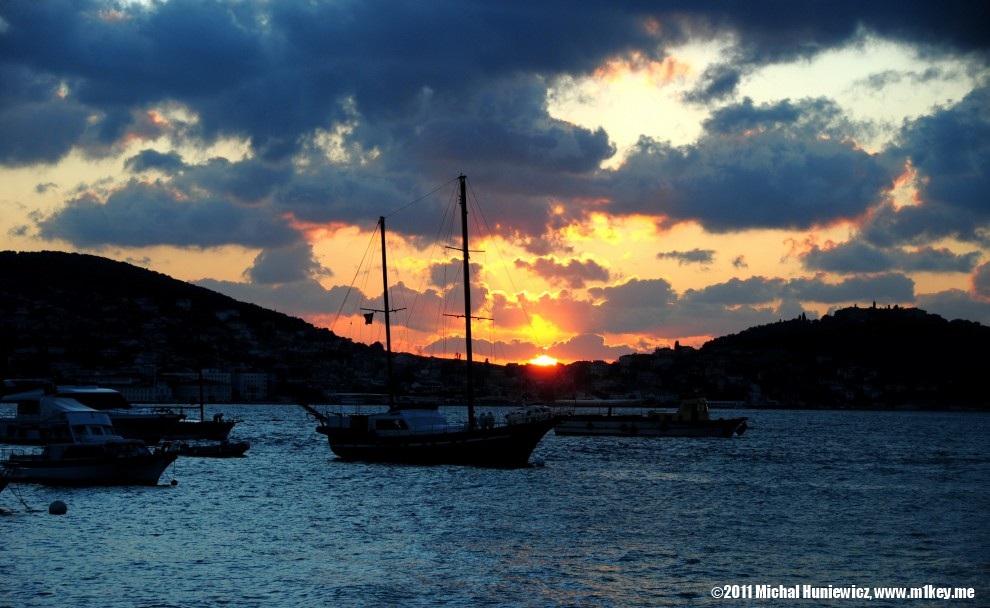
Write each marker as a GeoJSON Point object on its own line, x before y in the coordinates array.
{"type": "Point", "coordinates": [421, 434]}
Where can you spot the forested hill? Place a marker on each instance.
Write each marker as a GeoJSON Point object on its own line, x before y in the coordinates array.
{"type": "Point", "coordinates": [893, 354]}
{"type": "Point", "coordinates": [64, 310]}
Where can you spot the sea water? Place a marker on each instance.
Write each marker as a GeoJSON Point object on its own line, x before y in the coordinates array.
{"type": "Point", "coordinates": [815, 503]}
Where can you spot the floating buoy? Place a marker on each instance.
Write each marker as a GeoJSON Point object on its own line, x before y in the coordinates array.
{"type": "Point", "coordinates": [175, 482]}
{"type": "Point", "coordinates": [57, 508]}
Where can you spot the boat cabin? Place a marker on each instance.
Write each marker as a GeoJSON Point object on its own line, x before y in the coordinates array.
{"type": "Point", "coordinates": [690, 410]}
{"type": "Point", "coordinates": [399, 421]}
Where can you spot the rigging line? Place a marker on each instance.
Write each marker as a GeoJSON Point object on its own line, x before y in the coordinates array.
{"type": "Point", "coordinates": [498, 251]}
{"type": "Point", "coordinates": [445, 234]}
{"type": "Point", "coordinates": [428, 194]}
{"type": "Point", "coordinates": [16, 493]}
{"type": "Point", "coordinates": [436, 247]}
{"type": "Point", "coordinates": [357, 272]}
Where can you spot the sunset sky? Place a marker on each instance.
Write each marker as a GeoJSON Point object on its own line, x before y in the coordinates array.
{"type": "Point", "coordinates": [650, 172]}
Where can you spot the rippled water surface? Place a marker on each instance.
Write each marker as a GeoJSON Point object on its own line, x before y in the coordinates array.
{"type": "Point", "coordinates": [821, 498]}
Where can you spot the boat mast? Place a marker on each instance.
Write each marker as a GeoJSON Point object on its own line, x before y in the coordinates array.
{"type": "Point", "coordinates": [388, 324]}
{"type": "Point", "coordinates": [467, 301]}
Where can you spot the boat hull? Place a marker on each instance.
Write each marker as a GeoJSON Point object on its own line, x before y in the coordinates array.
{"type": "Point", "coordinates": [234, 449]}
{"type": "Point", "coordinates": [507, 446]}
{"type": "Point", "coordinates": [646, 426]}
{"type": "Point", "coordinates": [106, 471]}
{"type": "Point", "coordinates": [210, 430]}
{"type": "Point", "coordinates": [148, 427]}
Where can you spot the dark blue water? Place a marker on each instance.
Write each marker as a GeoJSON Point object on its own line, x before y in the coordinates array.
{"type": "Point", "coordinates": [872, 499]}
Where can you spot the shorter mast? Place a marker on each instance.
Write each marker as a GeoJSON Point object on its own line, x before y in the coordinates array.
{"type": "Point", "coordinates": [388, 324]}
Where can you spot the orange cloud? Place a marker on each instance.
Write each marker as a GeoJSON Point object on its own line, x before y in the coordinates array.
{"type": "Point", "coordinates": [637, 66]}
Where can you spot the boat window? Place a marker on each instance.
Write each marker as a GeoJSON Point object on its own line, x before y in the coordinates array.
{"type": "Point", "coordinates": [28, 408]}
{"type": "Point", "coordinates": [82, 451]}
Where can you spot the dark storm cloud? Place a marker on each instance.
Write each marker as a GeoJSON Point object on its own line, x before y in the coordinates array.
{"type": "Point", "coordinates": [717, 82]}
{"type": "Point", "coordinates": [981, 282]}
{"type": "Point", "coordinates": [35, 124]}
{"type": "Point", "coordinates": [633, 306]}
{"type": "Point", "coordinates": [771, 31]}
{"type": "Point", "coordinates": [735, 292]}
{"type": "Point", "coordinates": [955, 304]}
{"type": "Point", "coordinates": [776, 166]}
{"type": "Point", "coordinates": [808, 118]}
{"type": "Point", "coordinates": [142, 214]}
{"type": "Point", "coordinates": [274, 71]}
{"type": "Point", "coordinates": [287, 264]}
{"type": "Point", "coordinates": [248, 181]}
{"type": "Point", "coordinates": [433, 89]}
{"type": "Point", "coordinates": [578, 347]}
{"type": "Point", "coordinates": [169, 162]}
{"type": "Point", "coordinates": [305, 298]}
{"type": "Point", "coordinates": [574, 273]}
{"type": "Point", "coordinates": [756, 291]}
{"type": "Point", "coordinates": [950, 151]}
{"type": "Point", "coordinates": [652, 307]}
{"type": "Point", "coordinates": [857, 257]}
{"type": "Point", "coordinates": [887, 287]}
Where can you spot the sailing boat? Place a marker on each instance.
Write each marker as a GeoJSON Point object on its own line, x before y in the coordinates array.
{"type": "Point", "coordinates": [421, 434]}
{"type": "Point", "coordinates": [215, 429]}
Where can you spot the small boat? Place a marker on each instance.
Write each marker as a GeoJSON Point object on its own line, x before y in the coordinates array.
{"type": "Point", "coordinates": [31, 426]}
{"type": "Point", "coordinates": [215, 429]}
{"type": "Point", "coordinates": [91, 454]}
{"type": "Point", "coordinates": [692, 419]}
{"type": "Point", "coordinates": [415, 433]}
{"type": "Point", "coordinates": [222, 449]}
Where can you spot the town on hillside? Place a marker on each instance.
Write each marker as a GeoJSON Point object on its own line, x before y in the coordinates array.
{"type": "Point", "coordinates": [76, 319]}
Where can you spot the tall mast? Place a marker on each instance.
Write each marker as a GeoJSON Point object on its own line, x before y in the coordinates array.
{"type": "Point", "coordinates": [467, 301]}
{"type": "Point", "coordinates": [388, 324]}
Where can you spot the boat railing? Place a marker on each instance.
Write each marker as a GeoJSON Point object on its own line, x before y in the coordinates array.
{"type": "Point", "coordinates": [20, 452]}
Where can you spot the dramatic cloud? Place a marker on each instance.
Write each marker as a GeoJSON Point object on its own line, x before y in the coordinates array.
{"type": "Point", "coordinates": [574, 274]}
{"type": "Point", "coordinates": [143, 214]}
{"type": "Point", "coordinates": [981, 282]}
{"type": "Point", "coordinates": [285, 265]}
{"type": "Point", "coordinates": [950, 150]}
{"type": "Point", "coordinates": [773, 167]}
{"type": "Point", "coordinates": [862, 257]}
{"type": "Point", "coordinates": [276, 128]}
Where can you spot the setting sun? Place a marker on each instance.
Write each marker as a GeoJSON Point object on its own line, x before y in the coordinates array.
{"type": "Point", "coordinates": [543, 360]}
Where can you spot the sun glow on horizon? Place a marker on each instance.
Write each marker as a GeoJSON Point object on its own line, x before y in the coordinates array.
{"type": "Point", "coordinates": [543, 360]}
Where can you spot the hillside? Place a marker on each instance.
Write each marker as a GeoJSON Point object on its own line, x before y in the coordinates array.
{"type": "Point", "coordinates": [74, 316]}
{"type": "Point", "coordinates": [893, 355]}
{"type": "Point", "coordinates": [63, 312]}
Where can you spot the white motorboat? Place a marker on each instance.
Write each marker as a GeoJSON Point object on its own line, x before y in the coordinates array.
{"type": "Point", "coordinates": [88, 453]}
